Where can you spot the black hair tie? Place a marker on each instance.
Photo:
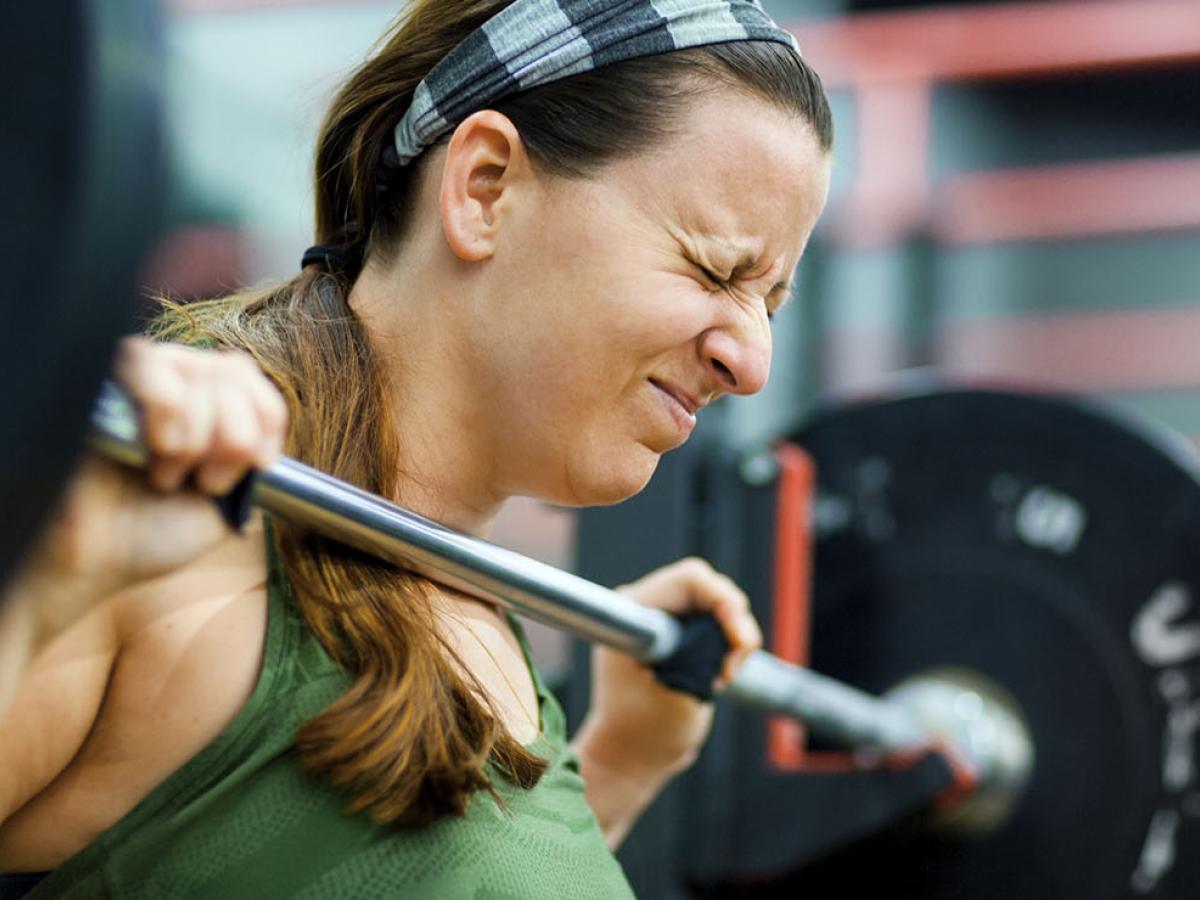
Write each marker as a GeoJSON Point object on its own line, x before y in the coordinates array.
{"type": "Point", "coordinates": [328, 258]}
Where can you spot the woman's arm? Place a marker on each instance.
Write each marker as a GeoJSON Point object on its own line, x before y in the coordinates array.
{"type": "Point", "coordinates": [639, 734]}
{"type": "Point", "coordinates": [207, 417]}
{"type": "Point", "coordinates": [46, 596]}
{"type": "Point", "coordinates": [54, 708]}
{"type": "Point", "coordinates": [619, 784]}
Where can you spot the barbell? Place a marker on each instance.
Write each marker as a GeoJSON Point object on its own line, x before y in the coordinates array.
{"type": "Point", "coordinates": [686, 655]}
{"type": "Point", "coordinates": [1000, 596]}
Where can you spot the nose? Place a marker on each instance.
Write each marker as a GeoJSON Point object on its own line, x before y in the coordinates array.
{"type": "Point", "coordinates": [738, 354]}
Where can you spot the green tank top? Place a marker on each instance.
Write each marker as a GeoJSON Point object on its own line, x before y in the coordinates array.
{"type": "Point", "coordinates": [243, 819]}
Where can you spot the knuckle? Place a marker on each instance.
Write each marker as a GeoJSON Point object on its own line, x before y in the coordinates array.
{"type": "Point", "coordinates": [160, 405]}
{"type": "Point", "coordinates": [732, 589]}
{"type": "Point", "coordinates": [165, 429]}
{"type": "Point", "coordinates": [237, 443]}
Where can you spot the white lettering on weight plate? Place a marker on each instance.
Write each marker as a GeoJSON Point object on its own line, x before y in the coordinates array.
{"type": "Point", "coordinates": [1157, 633]}
{"type": "Point", "coordinates": [1183, 721]}
{"type": "Point", "coordinates": [1050, 520]}
{"type": "Point", "coordinates": [1158, 853]}
{"type": "Point", "coordinates": [1163, 634]}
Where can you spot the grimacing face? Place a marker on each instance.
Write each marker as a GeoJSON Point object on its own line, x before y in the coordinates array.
{"type": "Point", "coordinates": [621, 304]}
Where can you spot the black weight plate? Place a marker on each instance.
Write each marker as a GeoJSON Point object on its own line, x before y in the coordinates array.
{"type": "Point", "coordinates": [81, 157]}
{"type": "Point", "coordinates": [1055, 549]}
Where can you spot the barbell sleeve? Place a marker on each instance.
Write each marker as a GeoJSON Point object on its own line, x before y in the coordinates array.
{"type": "Point", "coordinates": [307, 497]}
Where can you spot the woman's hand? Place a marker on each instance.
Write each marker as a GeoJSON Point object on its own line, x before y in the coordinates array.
{"type": "Point", "coordinates": [639, 733]}
{"type": "Point", "coordinates": [207, 418]}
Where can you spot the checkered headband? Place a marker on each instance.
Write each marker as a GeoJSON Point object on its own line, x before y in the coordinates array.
{"type": "Point", "coordinates": [534, 42]}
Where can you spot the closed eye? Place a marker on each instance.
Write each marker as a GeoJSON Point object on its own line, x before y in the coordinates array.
{"type": "Point", "coordinates": [719, 283]}
{"type": "Point", "coordinates": [712, 277]}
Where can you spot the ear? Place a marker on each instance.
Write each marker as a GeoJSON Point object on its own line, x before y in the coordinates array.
{"type": "Point", "coordinates": [485, 162]}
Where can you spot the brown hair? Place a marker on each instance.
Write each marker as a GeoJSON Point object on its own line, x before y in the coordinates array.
{"type": "Point", "coordinates": [411, 739]}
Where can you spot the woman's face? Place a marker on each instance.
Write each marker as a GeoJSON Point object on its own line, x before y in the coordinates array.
{"type": "Point", "coordinates": [621, 304]}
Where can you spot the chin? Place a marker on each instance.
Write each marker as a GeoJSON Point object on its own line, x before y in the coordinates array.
{"type": "Point", "coordinates": [605, 482]}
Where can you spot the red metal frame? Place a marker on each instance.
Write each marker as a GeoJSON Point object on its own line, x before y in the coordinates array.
{"type": "Point", "coordinates": [1001, 42]}
{"type": "Point", "coordinates": [893, 60]}
{"type": "Point", "coordinates": [1087, 199]}
{"type": "Point", "coordinates": [790, 612]}
{"type": "Point", "coordinates": [790, 597]}
{"type": "Point", "coordinates": [1135, 349]}
{"type": "Point", "coordinates": [1094, 351]}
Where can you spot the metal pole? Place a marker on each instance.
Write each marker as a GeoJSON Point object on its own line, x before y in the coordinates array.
{"type": "Point", "coordinates": [345, 513]}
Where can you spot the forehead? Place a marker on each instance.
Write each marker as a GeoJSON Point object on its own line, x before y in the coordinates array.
{"type": "Point", "coordinates": [740, 173]}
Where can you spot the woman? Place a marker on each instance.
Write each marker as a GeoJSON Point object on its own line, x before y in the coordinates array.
{"type": "Point", "coordinates": [550, 233]}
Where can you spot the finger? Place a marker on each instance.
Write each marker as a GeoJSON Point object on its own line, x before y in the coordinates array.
{"type": "Point", "coordinates": [191, 430]}
{"type": "Point", "coordinates": [159, 389]}
{"type": "Point", "coordinates": [675, 588]}
{"type": "Point", "coordinates": [691, 586]}
{"type": "Point", "coordinates": [199, 425]}
{"type": "Point", "coordinates": [201, 418]}
{"type": "Point", "coordinates": [731, 608]}
{"type": "Point", "coordinates": [271, 411]}
{"type": "Point", "coordinates": [236, 434]}
{"type": "Point", "coordinates": [712, 592]}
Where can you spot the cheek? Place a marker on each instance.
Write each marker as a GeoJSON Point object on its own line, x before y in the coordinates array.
{"type": "Point", "coordinates": [592, 335]}
{"type": "Point", "coordinates": [579, 424]}
{"type": "Point", "coordinates": [592, 386]}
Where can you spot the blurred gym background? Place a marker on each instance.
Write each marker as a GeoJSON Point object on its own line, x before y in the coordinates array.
{"type": "Point", "coordinates": [1017, 197]}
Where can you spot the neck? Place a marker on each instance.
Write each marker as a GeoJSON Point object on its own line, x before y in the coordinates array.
{"type": "Point", "coordinates": [447, 457]}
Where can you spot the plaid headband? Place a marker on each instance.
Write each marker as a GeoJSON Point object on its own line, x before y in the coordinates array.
{"type": "Point", "coordinates": [534, 42]}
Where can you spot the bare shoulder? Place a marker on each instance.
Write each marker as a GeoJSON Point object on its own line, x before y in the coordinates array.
{"type": "Point", "coordinates": [189, 649]}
